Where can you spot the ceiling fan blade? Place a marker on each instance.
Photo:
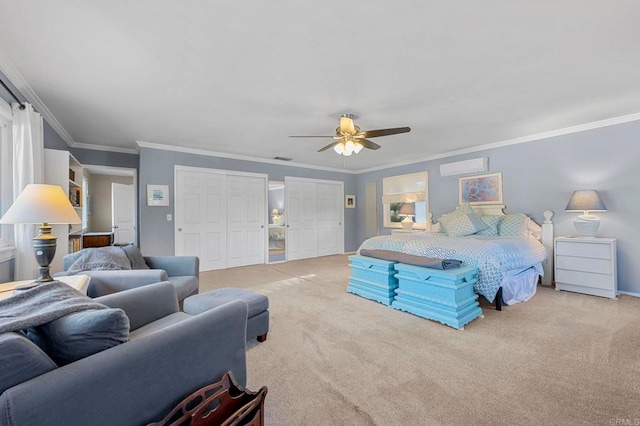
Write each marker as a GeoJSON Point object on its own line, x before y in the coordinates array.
{"type": "Point", "coordinates": [331, 145]}
{"type": "Point", "coordinates": [347, 126]}
{"type": "Point", "coordinates": [368, 144]}
{"type": "Point", "coordinates": [385, 132]}
{"type": "Point", "coordinates": [313, 136]}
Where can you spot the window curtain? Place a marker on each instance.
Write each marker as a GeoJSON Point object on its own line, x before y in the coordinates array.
{"type": "Point", "coordinates": [28, 167]}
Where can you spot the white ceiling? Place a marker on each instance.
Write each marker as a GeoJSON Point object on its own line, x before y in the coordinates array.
{"type": "Point", "coordinates": [239, 77]}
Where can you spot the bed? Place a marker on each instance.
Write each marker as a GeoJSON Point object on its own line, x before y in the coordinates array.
{"type": "Point", "coordinates": [509, 267]}
{"type": "Point", "coordinates": [276, 236]}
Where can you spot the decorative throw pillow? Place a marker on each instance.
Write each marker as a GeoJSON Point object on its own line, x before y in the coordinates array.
{"type": "Point", "coordinates": [135, 257]}
{"type": "Point", "coordinates": [514, 225]}
{"type": "Point", "coordinates": [492, 222]}
{"type": "Point", "coordinates": [462, 225]}
{"type": "Point", "coordinates": [81, 334]}
{"type": "Point", "coordinates": [462, 221]}
{"type": "Point", "coordinates": [99, 259]}
{"type": "Point", "coordinates": [21, 360]}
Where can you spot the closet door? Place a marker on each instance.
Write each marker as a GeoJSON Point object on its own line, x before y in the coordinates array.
{"type": "Point", "coordinates": [302, 233]}
{"type": "Point", "coordinates": [245, 220]}
{"type": "Point", "coordinates": [329, 218]}
{"type": "Point", "coordinates": [201, 219]}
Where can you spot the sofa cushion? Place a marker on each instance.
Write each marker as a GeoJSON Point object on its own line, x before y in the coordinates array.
{"type": "Point", "coordinates": [21, 360]}
{"type": "Point", "coordinates": [135, 257]}
{"type": "Point", "coordinates": [159, 324]}
{"type": "Point", "coordinates": [81, 334]}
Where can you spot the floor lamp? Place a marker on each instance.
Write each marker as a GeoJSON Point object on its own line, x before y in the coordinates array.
{"type": "Point", "coordinates": [45, 205]}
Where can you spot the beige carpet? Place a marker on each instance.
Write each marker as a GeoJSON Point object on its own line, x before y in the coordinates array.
{"type": "Point", "coordinates": [333, 358]}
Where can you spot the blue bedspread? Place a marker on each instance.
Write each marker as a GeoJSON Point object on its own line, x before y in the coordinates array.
{"type": "Point", "coordinates": [493, 256]}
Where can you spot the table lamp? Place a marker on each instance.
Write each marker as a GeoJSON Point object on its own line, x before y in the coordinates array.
{"type": "Point", "coordinates": [407, 210]}
{"type": "Point", "coordinates": [586, 201]}
{"type": "Point", "coordinates": [44, 205]}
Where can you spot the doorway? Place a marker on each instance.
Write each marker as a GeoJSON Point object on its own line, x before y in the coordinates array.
{"type": "Point", "coordinates": [277, 221]}
{"type": "Point", "coordinates": [102, 205]}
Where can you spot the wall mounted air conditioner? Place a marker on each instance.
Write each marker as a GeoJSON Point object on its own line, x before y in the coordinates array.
{"type": "Point", "coordinates": [474, 165]}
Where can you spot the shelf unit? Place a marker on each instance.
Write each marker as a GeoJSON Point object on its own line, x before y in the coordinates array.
{"type": "Point", "coordinates": [62, 169]}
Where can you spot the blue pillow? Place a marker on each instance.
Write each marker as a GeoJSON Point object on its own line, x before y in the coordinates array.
{"type": "Point", "coordinates": [81, 334]}
{"type": "Point", "coordinates": [492, 222]}
{"type": "Point", "coordinates": [21, 360]}
{"type": "Point", "coordinates": [461, 222]}
{"type": "Point", "coordinates": [135, 257]}
{"type": "Point", "coordinates": [514, 225]}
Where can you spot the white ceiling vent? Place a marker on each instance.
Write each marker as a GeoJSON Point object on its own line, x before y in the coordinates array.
{"type": "Point", "coordinates": [474, 165]}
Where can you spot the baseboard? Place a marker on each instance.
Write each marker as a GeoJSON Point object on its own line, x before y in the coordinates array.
{"type": "Point", "coordinates": [629, 293]}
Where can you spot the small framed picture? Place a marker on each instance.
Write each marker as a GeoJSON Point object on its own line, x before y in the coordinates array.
{"type": "Point", "coordinates": [350, 201]}
{"type": "Point", "coordinates": [157, 195]}
{"type": "Point", "coordinates": [484, 189]}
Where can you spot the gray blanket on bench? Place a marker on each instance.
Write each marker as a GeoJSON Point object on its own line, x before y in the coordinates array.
{"type": "Point", "coordinates": [410, 259]}
{"type": "Point", "coordinates": [42, 304]}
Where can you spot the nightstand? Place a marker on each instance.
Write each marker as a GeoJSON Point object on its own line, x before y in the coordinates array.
{"type": "Point", "coordinates": [409, 231]}
{"type": "Point", "coordinates": [586, 265]}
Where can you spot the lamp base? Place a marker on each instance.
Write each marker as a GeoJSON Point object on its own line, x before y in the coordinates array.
{"type": "Point", "coordinates": [44, 247]}
{"type": "Point", "coordinates": [587, 225]}
{"type": "Point", "coordinates": [407, 223]}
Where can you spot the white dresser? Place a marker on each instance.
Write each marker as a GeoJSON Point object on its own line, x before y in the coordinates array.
{"type": "Point", "coordinates": [586, 265]}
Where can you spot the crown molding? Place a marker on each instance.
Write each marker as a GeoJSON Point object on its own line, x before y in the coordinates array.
{"type": "Point", "coordinates": [105, 148]}
{"type": "Point", "coordinates": [524, 139]}
{"type": "Point", "coordinates": [194, 151]}
{"type": "Point", "coordinates": [15, 77]}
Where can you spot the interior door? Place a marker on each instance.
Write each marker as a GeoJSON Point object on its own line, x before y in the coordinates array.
{"type": "Point", "coordinates": [122, 213]}
{"type": "Point", "coordinates": [302, 238]}
{"type": "Point", "coordinates": [329, 218]}
{"type": "Point", "coordinates": [246, 220]}
{"type": "Point", "coordinates": [201, 217]}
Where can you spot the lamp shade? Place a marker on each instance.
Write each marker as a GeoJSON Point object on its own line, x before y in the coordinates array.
{"type": "Point", "coordinates": [41, 204]}
{"type": "Point", "coordinates": [275, 212]}
{"type": "Point", "coordinates": [585, 201]}
{"type": "Point", "coordinates": [407, 209]}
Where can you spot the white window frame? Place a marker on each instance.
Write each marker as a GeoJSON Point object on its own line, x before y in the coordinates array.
{"type": "Point", "coordinates": [6, 178]}
{"type": "Point", "coordinates": [409, 188]}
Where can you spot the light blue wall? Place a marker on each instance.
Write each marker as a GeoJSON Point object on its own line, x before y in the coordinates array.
{"type": "Point", "coordinates": [157, 168]}
{"type": "Point", "coordinates": [542, 175]}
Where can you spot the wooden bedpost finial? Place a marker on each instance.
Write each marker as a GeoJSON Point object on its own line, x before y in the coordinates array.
{"type": "Point", "coordinates": [548, 214]}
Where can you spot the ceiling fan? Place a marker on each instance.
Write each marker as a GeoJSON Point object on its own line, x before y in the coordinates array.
{"type": "Point", "coordinates": [349, 139]}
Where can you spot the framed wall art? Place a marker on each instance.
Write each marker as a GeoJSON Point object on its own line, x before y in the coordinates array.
{"type": "Point", "coordinates": [482, 189]}
{"type": "Point", "coordinates": [157, 195]}
{"type": "Point", "coordinates": [350, 201]}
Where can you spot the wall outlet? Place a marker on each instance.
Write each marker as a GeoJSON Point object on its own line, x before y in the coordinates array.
{"type": "Point", "coordinates": [169, 218]}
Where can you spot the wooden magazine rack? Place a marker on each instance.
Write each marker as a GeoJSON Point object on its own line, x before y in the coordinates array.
{"type": "Point", "coordinates": [221, 404]}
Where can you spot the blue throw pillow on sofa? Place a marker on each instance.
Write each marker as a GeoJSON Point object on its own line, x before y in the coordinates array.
{"type": "Point", "coordinates": [81, 334]}
{"type": "Point", "coordinates": [21, 360]}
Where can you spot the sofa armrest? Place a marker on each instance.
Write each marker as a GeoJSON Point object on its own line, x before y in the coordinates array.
{"type": "Point", "coordinates": [145, 304]}
{"type": "Point", "coordinates": [175, 265]}
{"type": "Point", "coordinates": [108, 282]}
{"type": "Point", "coordinates": [139, 381]}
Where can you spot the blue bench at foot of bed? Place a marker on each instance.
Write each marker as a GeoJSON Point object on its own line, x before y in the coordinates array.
{"type": "Point", "coordinates": [372, 279]}
{"type": "Point", "coordinates": [446, 296]}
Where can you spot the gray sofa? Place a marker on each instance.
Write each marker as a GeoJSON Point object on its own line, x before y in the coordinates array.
{"type": "Point", "coordinates": [170, 354]}
{"type": "Point", "coordinates": [181, 271]}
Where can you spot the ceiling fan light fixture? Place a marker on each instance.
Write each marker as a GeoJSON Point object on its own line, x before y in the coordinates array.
{"type": "Point", "coordinates": [349, 147]}
{"type": "Point", "coordinates": [339, 148]}
{"type": "Point", "coordinates": [357, 147]}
